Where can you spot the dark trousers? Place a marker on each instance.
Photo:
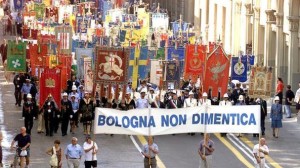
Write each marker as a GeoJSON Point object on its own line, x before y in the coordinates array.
{"type": "Point", "coordinates": [280, 95]}
{"type": "Point", "coordinates": [19, 30]}
{"type": "Point", "coordinates": [56, 124]}
{"type": "Point", "coordinates": [28, 122]}
{"type": "Point", "coordinates": [0, 154]}
{"type": "Point", "coordinates": [49, 127]}
{"type": "Point", "coordinates": [90, 164]}
{"type": "Point", "coordinates": [64, 125]}
{"type": "Point", "coordinates": [148, 164]}
{"type": "Point", "coordinates": [18, 97]}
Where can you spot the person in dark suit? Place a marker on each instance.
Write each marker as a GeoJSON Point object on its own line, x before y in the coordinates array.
{"type": "Point", "coordinates": [237, 92]}
{"type": "Point", "coordinates": [65, 112]}
{"type": "Point", "coordinates": [49, 109]}
{"type": "Point", "coordinates": [276, 116]}
{"type": "Point", "coordinates": [263, 114]}
{"type": "Point", "coordinates": [29, 113]}
{"type": "Point", "coordinates": [174, 102]}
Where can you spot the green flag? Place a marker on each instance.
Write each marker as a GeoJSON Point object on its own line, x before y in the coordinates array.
{"type": "Point", "coordinates": [40, 10]}
{"type": "Point", "coordinates": [160, 54]}
{"type": "Point", "coordinates": [16, 56]}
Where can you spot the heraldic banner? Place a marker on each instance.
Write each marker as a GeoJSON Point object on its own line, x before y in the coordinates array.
{"type": "Point", "coordinates": [50, 83]}
{"type": "Point", "coordinates": [260, 82]}
{"type": "Point", "coordinates": [80, 54]}
{"type": "Point", "coordinates": [16, 56]}
{"type": "Point", "coordinates": [217, 71]}
{"type": "Point", "coordinates": [65, 64]}
{"type": "Point", "coordinates": [111, 65]}
{"type": "Point", "coordinates": [171, 73]}
{"type": "Point", "coordinates": [194, 62]}
{"type": "Point", "coordinates": [88, 74]}
{"type": "Point", "coordinates": [64, 38]}
{"type": "Point", "coordinates": [156, 72]}
{"type": "Point", "coordinates": [239, 68]}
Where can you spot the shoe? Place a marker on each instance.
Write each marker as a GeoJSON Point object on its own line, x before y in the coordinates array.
{"type": "Point", "coordinates": [276, 137]}
{"type": "Point", "coordinates": [273, 135]}
{"type": "Point", "coordinates": [263, 133]}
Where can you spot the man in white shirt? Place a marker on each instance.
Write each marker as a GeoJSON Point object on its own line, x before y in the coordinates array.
{"type": "Point", "coordinates": [260, 150]}
{"type": "Point", "coordinates": [225, 102]}
{"type": "Point", "coordinates": [142, 102]}
{"type": "Point", "coordinates": [90, 148]}
{"type": "Point", "coordinates": [151, 95]}
{"type": "Point", "coordinates": [190, 102]}
{"type": "Point", "coordinates": [204, 101]}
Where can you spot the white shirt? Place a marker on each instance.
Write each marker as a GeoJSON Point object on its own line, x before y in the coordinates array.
{"type": "Point", "coordinates": [141, 103]}
{"type": "Point", "coordinates": [89, 155]}
{"type": "Point", "coordinates": [261, 154]}
{"type": "Point", "coordinates": [297, 96]}
{"type": "Point", "coordinates": [190, 102]}
{"type": "Point", "coordinates": [203, 102]}
{"type": "Point", "coordinates": [151, 97]}
{"type": "Point", "coordinates": [225, 103]}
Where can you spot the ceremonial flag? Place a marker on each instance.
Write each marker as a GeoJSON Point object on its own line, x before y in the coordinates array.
{"type": "Point", "coordinates": [111, 65]}
{"type": "Point", "coordinates": [156, 72]}
{"type": "Point", "coordinates": [217, 71]}
{"type": "Point", "coordinates": [160, 54]}
{"type": "Point", "coordinates": [18, 5]}
{"type": "Point", "coordinates": [64, 63]}
{"type": "Point", "coordinates": [139, 64]}
{"type": "Point", "coordinates": [131, 62]}
{"type": "Point", "coordinates": [82, 53]}
{"type": "Point", "coordinates": [82, 24]}
{"type": "Point", "coordinates": [37, 52]}
{"type": "Point", "coordinates": [88, 74]}
{"type": "Point", "coordinates": [50, 83]}
{"type": "Point", "coordinates": [176, 53]}
{"type": "Point", "coordinates": [171, 74]}
{"type": "Point", "coordinates": [239, 68]}
{"type": "Point", "coordinates": [39, 9]}
{"type": "Point", "coordinates": [64, 39]}
{"type": "Point", "coordinates": [260, 82]}
{"type": "Point", "coordinates": [194, 62]}
{"type": "Point", "coordinates": [16, 56]}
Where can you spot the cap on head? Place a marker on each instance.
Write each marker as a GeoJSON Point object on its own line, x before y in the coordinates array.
{"type": "Point", "coordinates": [29, 96]}
{"type": "Point", "coordinates": [65, 94]}
{"type": "Point", "coordinates": [28, 80]}
{"type": "Point", "coordinates": [50, 95]}
{"type": "Point", "coordinates": [204, 94]}
{"type": "Point", "coordinates": [144, 90]}
{"type": "Point", "coordinates": [276, 98]}
{"type": "Point", "coordinates": [225, 95]}
{"type": "Point", "coordinates": [191, 93]}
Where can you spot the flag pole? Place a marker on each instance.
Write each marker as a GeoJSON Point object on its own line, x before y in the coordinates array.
{"type": "Point", "coordinates": [205, 134]}
{"type": "Point", "coordinates": [149, 133]}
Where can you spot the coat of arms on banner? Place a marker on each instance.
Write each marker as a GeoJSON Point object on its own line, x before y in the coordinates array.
{"type": "Point", "coordinates": [260, 82]}
{"type": "Point", "coordinates": [16, 56]}
{"type": "Point", "coordinates": [37, 52]}
{"type": "Point", "coordinates": [171, 73]}
{"type": "Point", "coordinates": [64, 39]}
{"type": "Point", "coordinates": [239, 68]}
{"type": "Point", "coordinates": [82, 24]}
{"type": "Point", "coordinates": [111, 65]}
{"type": "Point", "coordinates": [194, 62]}
{"type": "Point", "coordinates": [217, 71]}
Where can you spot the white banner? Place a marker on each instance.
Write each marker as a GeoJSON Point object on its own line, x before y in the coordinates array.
{"type": "Point", "coordinates": [229, 119]}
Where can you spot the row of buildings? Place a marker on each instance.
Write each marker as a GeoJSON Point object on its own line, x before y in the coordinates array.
{"type": "Point", "coordinates": [269, 29]}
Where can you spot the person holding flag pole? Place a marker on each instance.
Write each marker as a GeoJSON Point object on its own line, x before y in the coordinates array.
{"type": "Point", "coordinates": [90, 148]}
{"type": "Point", "coordinates": [206, 148]}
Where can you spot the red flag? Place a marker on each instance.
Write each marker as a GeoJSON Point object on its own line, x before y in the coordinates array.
{"type": "Point", "coordinates": [217, 71]}
{"type": "Point", "coordinates": [194, 62]}
{"type": "Point", "coordinates": [50, 83]}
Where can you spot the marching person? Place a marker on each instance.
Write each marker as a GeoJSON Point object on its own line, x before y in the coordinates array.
{"type": "Point", "coordinates": [58, 152]}
{"type": "Point", "coordinates": [237, 92]}
{"type": "Point", "coordinates": [74, 92]}
{"type": "Point", "coordinates": [150, 150]}
{"type": "Point", "coordinates": [142, 102]}
{"type": "Point", "coordinates": [205, 151]}
{"type": "Point", "coordinates": [151, 95]}
{"type": "Point", "coordinates": [29, 113]}
{"type": "Point", "coordinates": [279, 89]}
{"type": "Point", "coordinates": [204, 100]}
{"type": "Point", "coordinates": [73, 153]}
{"type": "Point", "coordinates": [66, 111]}
{"type": "Point", "coordinates": [174, 102]}
{"type": "Point", "coordinates": [289, 97]}
{"type": "Point", "coordinates": [26, 88]}
{"type": "Point", "coordinates": [276, 116]}
{"type": "Point", "coordinates": [129, 103]}
{"type": "Point", "coordinates": [49, 110]}
{"type": "Point", "coordinates": [74, 114]}
{"type": "Point", "coordinates": [297, 98]}
{"type": "Point", "coordinates": [263, 115]}
{"type": "Point", "coordinates": [225, 102]}
{"type": "Point", "coordinates": [90, 148]}
{"type": "Point", "coordinates": [260, 150]}
{"type": "Point", "coordinates": [86, 109]}
{"type": "Point", "coordinates": [240, 102]}
{"type": "Point", "coordinates": [24, 142]}
{"type": "Point", "coordinates": [190, 102]}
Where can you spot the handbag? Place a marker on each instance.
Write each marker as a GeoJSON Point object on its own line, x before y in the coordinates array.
{"type": "Point", "coordinates": [23, 153]}
{"type": "Point", "coordinates": [53, 159]}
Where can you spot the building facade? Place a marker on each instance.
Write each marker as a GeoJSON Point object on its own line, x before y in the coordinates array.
{"type": "Point", "coordinates": [269, 29]}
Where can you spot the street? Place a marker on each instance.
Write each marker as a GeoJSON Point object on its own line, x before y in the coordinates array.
{"type": "Point", "coordinates": [177, 151]}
